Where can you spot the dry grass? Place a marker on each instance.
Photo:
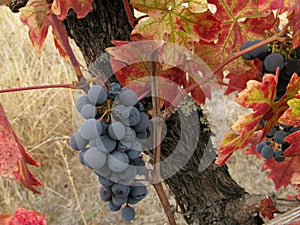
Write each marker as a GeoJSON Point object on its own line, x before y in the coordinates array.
{"type": "Point", "coordinates": [43, 119]}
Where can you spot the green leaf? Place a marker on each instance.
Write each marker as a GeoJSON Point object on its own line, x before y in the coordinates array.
{"type": "Point", "coordinates": [171, 21]}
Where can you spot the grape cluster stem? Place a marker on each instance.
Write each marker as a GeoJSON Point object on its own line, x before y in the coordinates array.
{"type": "Point", "coordinates": [156, 142]}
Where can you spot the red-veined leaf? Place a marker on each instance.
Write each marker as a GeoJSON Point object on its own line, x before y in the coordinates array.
{"type": "Point", "coordinates": [172, 21]}
{"type": "Point", "coordinates": [281, 173]}
{"type": "Point", "coordinates": [174, 62]}
{"type": "Point", "coordinates": [38, 17]}
{"type": "Point", "coordinates": [293, 15]}
{"type": "Point", "coordinates": [237, 82]}
{"type": "Point", "coordinates": [13, 155]}
{"type": "Point", "coordinates": [240, 21]}
{"type": "Point", "coordinates": [292, 115]}
{"type": "Point", "coordinates": [61, 8]}
{"type": "Point", "coordinates": [35, 16]}
{"type": "Point", "coordinates": [23, 217]}
{"type": "Point", "coordinates": [294, 140]}
{"type": "Point", "coordinates": [260, 97]}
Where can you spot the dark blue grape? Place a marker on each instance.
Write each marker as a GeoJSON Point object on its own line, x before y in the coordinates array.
{"type": "Point", "coordinates": [273, 61]}
{"type": "Point", "coordinates": [294, 129]}
{"type": "Point", "coordinates": [143, 123]}
{"type": "Point", "coordinates": [272, 132]}
{"type": "Point", "coordinates": [105, 194]}
{"type": "Point", "coordinates": [113, 207]}
{"type": "Point", "coordinates": [106, 144]}
{"type": "Point", "coordinates": [267, 152]}
{"type": "Point", "coordinates": [279, 156]}
{"type": "Point", "coordinates": [90, 129]}
{"type": "Point", "coordinates": [285, 146]}
{"type": "Point", "coordinates": [128, 213]}
{"type": "Point", "coordinates": [77, 142]}
{"type": "Point", "coordinates": [95, 158]}
{"type": "Point", "coordinates": [117, 161]}
{"type": "Point", "coordinates": [120, 190]}
{"type": "Point", "coordinates": [259, 146]}
{"type": "Point", "coordinates": [119, 201]}
{"type": "Point", "coordinates": [116, 130]}
{"type": "Point", "coordinates": [291, 66]}
{"type": "Point", "coordinates": [81, 101]}
{"type": "Point", "coordinates": [138, 191]}
{"type": "Point", "coordinates": [127, 97]}
{"type": "Point", "coordinates": [114, 89]}
{"type": "Point", "coordinates": [279, 136]}
{"type": "Point", "coordinates": [103, 181]}
{"type": "Point", "coordinates": [97, 95]}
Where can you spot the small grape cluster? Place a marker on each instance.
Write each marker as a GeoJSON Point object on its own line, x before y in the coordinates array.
{"type": "Point", "coordinates": [110, 143]}
{"type": "Point", "coordinates": [288, 63]}
{"type": "Point", "coordinates": [275, 145]}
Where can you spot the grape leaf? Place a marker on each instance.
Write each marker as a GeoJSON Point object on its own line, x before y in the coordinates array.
{"type": "Point", "coordinates": [174, 22]}
{"type": "Point", "coordinates": [23, 217]}
{"type": "Point", "coordinates": [14, 156]}
{"type": "Point", "coordinates": [292, 8]}
{"type": "Point", "coordinates": [61, 8]}
{"type": "Point", "coordinates": [281, 173]}
{"type": "Point", "coordinates": [292, 115]}
{"type": "Point", "coordinates": [35, 15]}
{"type": "Point", "coordinates": [174, 60]}
{"type": "Point", "coordinates": [240, 21]}
{"type": "Point", "coordinates": [260, 97]}
{"type": "Point", "coordinates": [294, 140]}
{"type": "Point", "coordinates": [238, 82]}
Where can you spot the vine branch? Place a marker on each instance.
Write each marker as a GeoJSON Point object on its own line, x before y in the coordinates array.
{"type": "Point", "coordinates": [71, 86]}
{"type": "Point", "coordinates": [131, 18]}
{"type": "Point", "coordinates": [66, 45]}
{"type": "Point", "coordinates": [156, 143]}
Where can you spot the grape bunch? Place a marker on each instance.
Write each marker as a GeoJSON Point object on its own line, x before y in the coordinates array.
{"type": "Point", "coordinates": [275, 145]}
{"type": "Point", "coordinates": [284, 58]}
{"type": "Point", "coordinates": [110, 143]}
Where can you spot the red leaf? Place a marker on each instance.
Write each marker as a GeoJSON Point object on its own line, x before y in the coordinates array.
{"type": "Point", "coordinates": [238, 81]}
{"type": "Point", "coordinates": [291, 116]}
{"type": "Point", "coordinates": [260, 97]}
{"type": "Point", "coordinates": [266, 208]}
{"type": "Point", "coordinates": [294, 149]}
{"type": "Point", "coordinates": [240, 21]}
{"type": "Point", "coordinates": [35, 16]}
{"type": "Point", "coordinates": [38, 17]}
{"type": "Point", "coordinates": [61, 8]}
{"type": "Point", "coordinates": [23, 217]}
{"type": "Point", "coordinates": [281, 173]}
{"type": "Point", "coordinates": [292, 8]}
{"type": "Point", "coordinates": [14, 155]}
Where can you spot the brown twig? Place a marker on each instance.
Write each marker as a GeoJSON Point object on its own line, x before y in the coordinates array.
{"type": "Point", "coordinates": [50, 86]}
{"type": "Point", "coordinates": [66, 45]}
{"type": "Point", "coordinates": [130, 16]}
{"type": "Point", "coordinates": [156, 143]}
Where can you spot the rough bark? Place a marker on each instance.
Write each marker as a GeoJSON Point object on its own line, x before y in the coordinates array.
{"type": "Point", "coordinates": [202, 197]}
{"type": "Point", "coordinates": [208, 197]}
